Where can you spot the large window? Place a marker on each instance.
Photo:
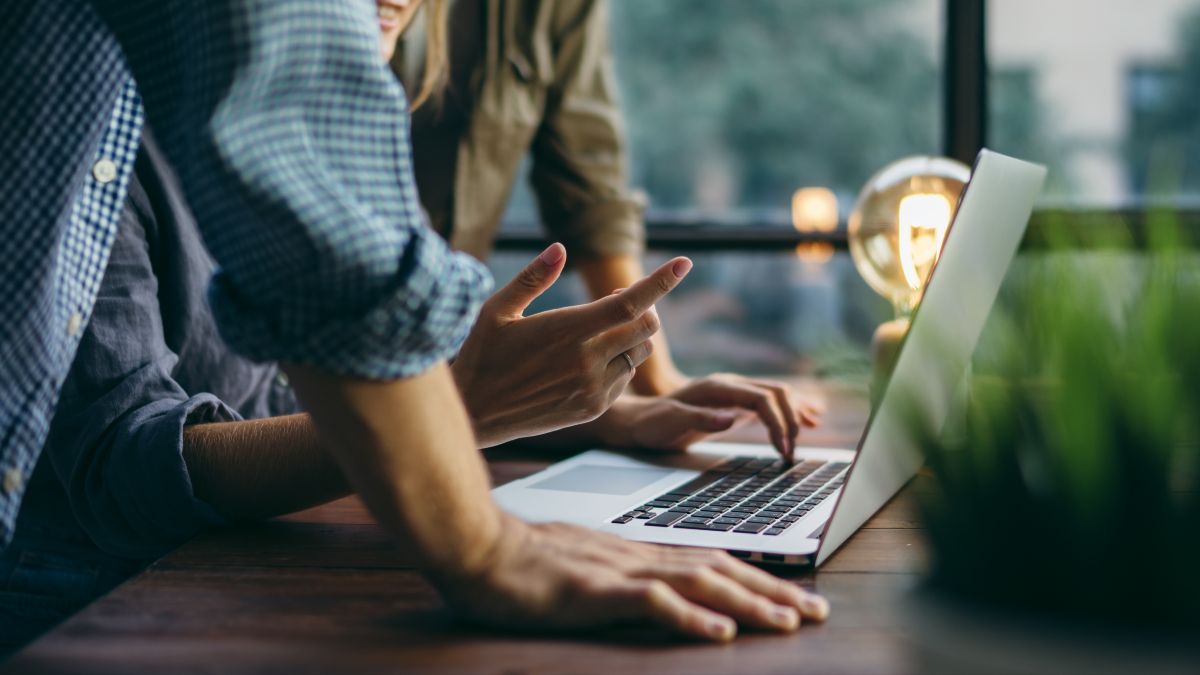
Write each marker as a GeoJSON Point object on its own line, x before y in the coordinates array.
{"type": "Point", "coordinates": [731, 106]}
{"type": "Point", "coordinates": [1106, 93]}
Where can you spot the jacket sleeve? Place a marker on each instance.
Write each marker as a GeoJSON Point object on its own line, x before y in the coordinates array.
{"type": "Point", "coordinates": [116, 441]}
{"type": "Point", "coordinates": [578, 154]}
{"type": "Point", "coordinates": [280, 119]}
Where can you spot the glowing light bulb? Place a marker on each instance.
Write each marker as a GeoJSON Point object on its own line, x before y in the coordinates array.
{"type": "Point", "coordinates": [923, 221]}
{"type": "Point", "coordinates": [899, 223]}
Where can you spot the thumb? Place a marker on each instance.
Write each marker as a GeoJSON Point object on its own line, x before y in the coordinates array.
{"type": "Point", "coordinates": [539, 275]}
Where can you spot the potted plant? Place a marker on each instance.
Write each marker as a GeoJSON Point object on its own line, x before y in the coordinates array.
{"type": "Point", "coordinates": [1064, 516]}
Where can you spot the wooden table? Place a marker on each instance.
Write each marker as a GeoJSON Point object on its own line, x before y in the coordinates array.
{"type": "Point", "coordinates": [327, 591]}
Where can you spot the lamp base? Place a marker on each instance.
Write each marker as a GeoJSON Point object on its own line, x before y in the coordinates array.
{"type": "Point", "coordinates": [885, 347]}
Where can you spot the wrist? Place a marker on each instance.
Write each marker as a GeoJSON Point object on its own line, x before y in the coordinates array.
{"type": "Point", "coordinates": [656, 379]}
{"type": "Point", "coordinates": [482, 431]}
{"type": "Point", "coordinates": [486, 555]}
{"type": "Point", "coordinates": [614, 428]}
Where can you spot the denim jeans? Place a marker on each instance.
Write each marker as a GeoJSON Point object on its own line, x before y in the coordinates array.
{"type": "Point", "coordinates": [46, 576]}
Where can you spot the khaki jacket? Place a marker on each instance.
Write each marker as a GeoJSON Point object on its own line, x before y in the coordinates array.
{"type": "Point", "coordinates": [542, 83]}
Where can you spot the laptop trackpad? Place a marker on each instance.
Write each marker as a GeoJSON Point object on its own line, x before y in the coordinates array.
{"type": "Point", "coordinates": [605, 480]}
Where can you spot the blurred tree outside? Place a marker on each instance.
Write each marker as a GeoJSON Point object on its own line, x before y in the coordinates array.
{"type": "Point", "coordinates": [735, 104]}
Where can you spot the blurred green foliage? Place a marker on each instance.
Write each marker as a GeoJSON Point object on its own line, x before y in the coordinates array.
{"type": "Point", "coordinates": [1074, 486]}
{"type": "Point", "coordinates": [780, 93]}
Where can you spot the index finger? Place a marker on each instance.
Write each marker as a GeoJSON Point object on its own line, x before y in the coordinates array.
{"type": "Point", "coordinates": [632, 302]}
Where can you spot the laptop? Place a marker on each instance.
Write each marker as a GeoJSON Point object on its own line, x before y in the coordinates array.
{"type": "Point", "coordinates": [741, 497]}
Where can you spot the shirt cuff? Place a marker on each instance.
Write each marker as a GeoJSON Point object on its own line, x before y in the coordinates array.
{"type": "Point", "coordinates": [147, 478]}
{"type": "Point", "coordinates": [422, 318]}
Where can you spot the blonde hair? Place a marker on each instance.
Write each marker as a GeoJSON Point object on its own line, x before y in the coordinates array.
{"type": "Point", "coordinates": [437, 61]}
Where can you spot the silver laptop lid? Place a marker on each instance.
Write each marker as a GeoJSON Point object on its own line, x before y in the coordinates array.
{"type": "Point", "coordinates": [962, 288]}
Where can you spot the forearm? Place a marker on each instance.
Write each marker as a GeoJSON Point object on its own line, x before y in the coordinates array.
{"type": "Point", "coordinates": [261, 468]}
{"type": "Point", "coordinates": [406, 447]}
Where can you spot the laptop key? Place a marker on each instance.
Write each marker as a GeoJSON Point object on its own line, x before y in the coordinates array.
{"type": "Point", "coordinates": [659, 504]}
{"type": "Point", "coordinates": [774, 531]}
{"type": "Point", "coordinates": [765, 520]}
{"type": "Point", "coordinates": [702, 481]}
{"type": "Point", "coordinates": [622, 519]}
{"type": "Point", "coordinates": [727, 521]}
{"type": "Point", "coordinates": [666, 519]}
{"type": "Point", "coordinates": [751, 528]}
{"type": "Point", "coordinates": [711, 527]}
{"type": "Point", "coordinates": [695, 521]}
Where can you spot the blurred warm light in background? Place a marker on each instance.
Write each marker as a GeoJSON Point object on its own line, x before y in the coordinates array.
{"type": "Point", "coordinates": [815, 209]}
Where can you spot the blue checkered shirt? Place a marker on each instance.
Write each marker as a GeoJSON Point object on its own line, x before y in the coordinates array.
{"type": "Point", "coordinates": [290, 138]}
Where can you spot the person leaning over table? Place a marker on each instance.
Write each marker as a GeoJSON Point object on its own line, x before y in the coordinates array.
{"type": "Point", "coordinates": [161, 431]}
{"type": "Point", "coordinates": [346, 292]}
{"type": "Point", "coordinates": [535, 77]}
{"type": "Point", "coordinates": [135, 463]}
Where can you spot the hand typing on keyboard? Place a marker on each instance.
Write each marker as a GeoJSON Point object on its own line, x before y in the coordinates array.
{"type": "Point", "coordinates": [703, 407]}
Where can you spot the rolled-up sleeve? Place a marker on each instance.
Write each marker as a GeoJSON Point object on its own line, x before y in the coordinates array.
{"type": "Point", "coordinates": [280, 118]}
{"type": "Point", "coordinates": [116, 440]}
{"type": "Point", "coordinates": [579, 159]}
{"type": "Point", "coordinates": [123, 465]}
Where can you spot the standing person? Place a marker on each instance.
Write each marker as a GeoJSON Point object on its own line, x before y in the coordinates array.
{"type": "Point", "coordinates": [535, 77]}
{"type": "Point", "coordinates": [282, 127]}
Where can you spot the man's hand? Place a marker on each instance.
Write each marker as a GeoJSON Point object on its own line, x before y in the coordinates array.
{"type": "Point", "coordinates": [521, 376]}
{"type": "Point", "coordinates": [701, 408]}
{"type": "Point", "coordinates": [405, 446]}
{"type": "Point", "coordinates": [563, 578]}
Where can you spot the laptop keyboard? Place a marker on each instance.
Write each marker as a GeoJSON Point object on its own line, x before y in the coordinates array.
{"type": "Point", "coordinates": [750, 495]}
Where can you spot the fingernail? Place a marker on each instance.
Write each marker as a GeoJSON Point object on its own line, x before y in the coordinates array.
{"type": "Point", "coordinates": [786, 618]}
{"type": "Point", "coordinates": [681, 268]}
{"type": "Point", "coordinates": [721, 630]}
{"type": "Point", "coordinates": [816, 607]}
{"type": "Point", "coordinates": [552, 255]}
